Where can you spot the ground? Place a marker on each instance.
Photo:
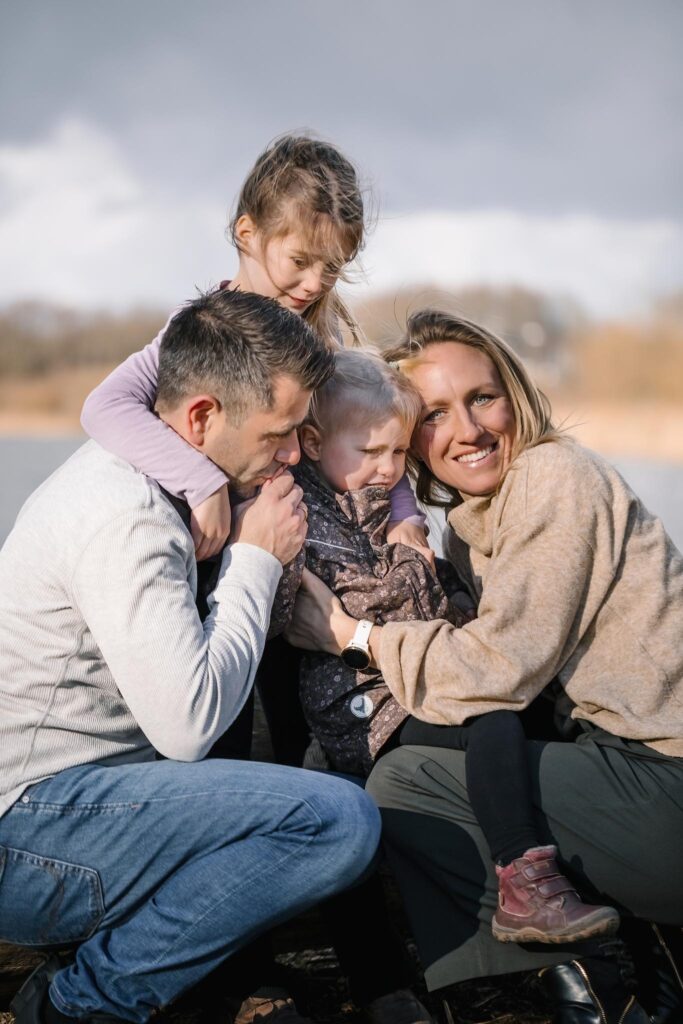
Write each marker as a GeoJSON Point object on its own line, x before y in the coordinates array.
{"type": "Point", "coordinates": [320, 991]}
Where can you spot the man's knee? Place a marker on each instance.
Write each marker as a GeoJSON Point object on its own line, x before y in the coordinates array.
{"type": "Point", "coordinates": [350, 820]}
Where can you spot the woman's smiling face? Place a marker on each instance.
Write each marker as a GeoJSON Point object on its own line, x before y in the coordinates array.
{"type": "Point", "coordinates": [467, 429]}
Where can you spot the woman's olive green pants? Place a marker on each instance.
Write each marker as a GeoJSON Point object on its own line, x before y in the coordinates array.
{"type": "Point", "coordinates": [614, 808]}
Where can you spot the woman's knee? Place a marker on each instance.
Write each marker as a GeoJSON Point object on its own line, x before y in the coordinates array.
{"type": "Point", "coordinates": [392, 777]}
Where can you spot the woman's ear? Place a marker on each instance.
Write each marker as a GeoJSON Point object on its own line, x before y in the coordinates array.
{"type": "Point", "coordinates": [246, 234]}
{"type": "Point", "coordinates": [310, 441]}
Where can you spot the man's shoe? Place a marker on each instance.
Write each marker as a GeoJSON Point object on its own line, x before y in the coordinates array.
{"type": "Point", "coordinates": [657, 953]}
{"type": "Point", "coordinates": [400, 1007]}
{"type": "Point", "coordinates": [28, 1005]}
{"type": "Point", "coordinates": [536, 903]}
{"type": "Point", "coordinates": [590, 993]}
{"type": "Point", "coordinates": [28, 1002]}
{"type": "Point", "coordinates": [273, 1005]}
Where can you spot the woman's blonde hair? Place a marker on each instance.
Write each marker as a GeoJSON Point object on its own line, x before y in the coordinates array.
{"type": "Point", "coordinates": [302, 184]}
{"type": "Point", "coordinates": [362, 391]}
{"type": "Point", "coordinates": [530, 407]}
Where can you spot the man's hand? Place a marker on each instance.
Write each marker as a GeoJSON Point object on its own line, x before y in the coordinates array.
{"type": "Point", "coordinates": [275, 520]}
{"type": "Point", "coordinates": [412, 536]}
{"type": "Point", "coordinates": [210, 524]}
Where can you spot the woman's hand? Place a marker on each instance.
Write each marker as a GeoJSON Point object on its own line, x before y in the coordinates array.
{"type": "Point", "coordinates": [401, 532]}
{"type": "Point", "coordinates": [210, 524]}
{"type": "Point", "coordinates": [319, 622]}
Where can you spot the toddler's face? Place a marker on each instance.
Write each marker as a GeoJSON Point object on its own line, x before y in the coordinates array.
{"type": "Point", "coordinates": [356, 457]}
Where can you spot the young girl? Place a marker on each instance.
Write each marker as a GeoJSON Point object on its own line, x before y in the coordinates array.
{"type": "Point", "coordinates": [355, 443]}
{"type": "Point", "coordinates": [299, 221]}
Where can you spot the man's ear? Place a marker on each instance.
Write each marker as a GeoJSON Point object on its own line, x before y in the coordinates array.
{"type": "Point", "coordinates": [246, 234]}
{"type": "Point", "coordinates": [310, 441]}
{"type": "Point", "coordinates": [200, 415]}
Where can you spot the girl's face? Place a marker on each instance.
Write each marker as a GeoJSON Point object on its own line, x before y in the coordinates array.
{"type": "Point", "coordinates": [466, 430]}
{"type": "Point", "coordinates": [281, 268]}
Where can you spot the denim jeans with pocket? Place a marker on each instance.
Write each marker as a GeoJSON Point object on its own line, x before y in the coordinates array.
{"type": "Point", "coordinates": [159, 871]}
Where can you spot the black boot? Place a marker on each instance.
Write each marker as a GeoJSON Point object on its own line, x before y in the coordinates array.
{"type": "Point", "coordinates": [27, 1004]}
{"type": "Point", "coordinates": [31, 1004]}
{"type": "Point", "coordinates": [590, 991]}
{"type": "Point", "coordinates": [657, 952]}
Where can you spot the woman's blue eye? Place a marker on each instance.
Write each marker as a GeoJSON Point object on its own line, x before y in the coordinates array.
{"type": "Point", "coordinates": [431, 416]}
{"type": "Point", "coordinates": [482, 399]}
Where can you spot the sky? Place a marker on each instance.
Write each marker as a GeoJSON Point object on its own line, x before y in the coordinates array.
{"type": "Point", "coordinates": [535, 143]}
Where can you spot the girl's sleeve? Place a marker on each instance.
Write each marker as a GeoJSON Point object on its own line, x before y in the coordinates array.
{"type": "Point", "coordinates": [119, 415]}
{"type": "Point", "coordinates": [404, 504]}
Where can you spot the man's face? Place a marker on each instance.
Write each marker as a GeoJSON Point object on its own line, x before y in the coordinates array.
{"type": "Point", "coordinates": [264, 442]}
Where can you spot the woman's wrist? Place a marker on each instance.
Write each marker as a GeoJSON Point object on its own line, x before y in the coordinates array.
{"type": "Point", "coordinates": [342, 631]}
{"type": "Point", "coordinates": [342, 628]}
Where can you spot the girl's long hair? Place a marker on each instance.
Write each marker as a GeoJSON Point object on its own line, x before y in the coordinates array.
{"type": "Point", "coordinates": [300, 183]}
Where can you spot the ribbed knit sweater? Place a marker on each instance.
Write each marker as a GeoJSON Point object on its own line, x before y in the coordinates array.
{"type": "Point", "coordinates": [576, 581]}
{"type": "Point", "coordinates": [103, 657]}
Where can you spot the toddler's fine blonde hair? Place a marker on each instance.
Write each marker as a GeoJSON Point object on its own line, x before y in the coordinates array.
{"type": "Point", "coordinates": [363, 391]}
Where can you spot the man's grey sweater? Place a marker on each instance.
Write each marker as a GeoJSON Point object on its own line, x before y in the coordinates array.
{"type": "Point", "coordinates": [103, 657]}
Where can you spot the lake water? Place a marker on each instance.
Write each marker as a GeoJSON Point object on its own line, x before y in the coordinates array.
{"type": "Point", "coordinates": [26, 462]}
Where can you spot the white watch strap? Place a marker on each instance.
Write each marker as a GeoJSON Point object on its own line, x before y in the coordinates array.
{"type": "Point", "coordinates": [362, 634]}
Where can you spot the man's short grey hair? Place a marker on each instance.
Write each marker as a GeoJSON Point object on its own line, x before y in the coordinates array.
{"type": "Point", "coordinates": [233, 345]}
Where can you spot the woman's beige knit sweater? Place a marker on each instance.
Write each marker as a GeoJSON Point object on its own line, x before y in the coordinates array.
{"type": "Point", "coordinates": [575, 580]}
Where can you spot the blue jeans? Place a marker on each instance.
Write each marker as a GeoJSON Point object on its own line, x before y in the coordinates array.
{"type": "Point", "coordinates": [162, 870]}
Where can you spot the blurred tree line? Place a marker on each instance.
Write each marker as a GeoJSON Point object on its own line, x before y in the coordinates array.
{"type": "Point", "coordinates": [38, 337]}
{"type": "Point", "coordinates": [569, 354]}
{"type": "Point", "coordinates": [51, 356]}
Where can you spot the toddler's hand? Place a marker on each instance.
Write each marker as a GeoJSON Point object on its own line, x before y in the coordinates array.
{"type": "Point", "coordinates": [412, 536]}
{"type": "Point", "coordinates": [210, 524]}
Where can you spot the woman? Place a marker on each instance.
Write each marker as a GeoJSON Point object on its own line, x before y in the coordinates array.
{"type": "Point", "coordinates": [580, 598]}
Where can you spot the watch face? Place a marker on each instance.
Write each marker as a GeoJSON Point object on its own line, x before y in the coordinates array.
{"type": "Point", "coordinates": [355, 657]}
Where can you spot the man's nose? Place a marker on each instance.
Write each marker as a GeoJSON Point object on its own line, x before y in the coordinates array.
{"type": "Point", "coordinates": [289, 451]}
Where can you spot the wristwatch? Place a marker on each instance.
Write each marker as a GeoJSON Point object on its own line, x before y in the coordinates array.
{"type": "Point", "coordinates": [356, 654]}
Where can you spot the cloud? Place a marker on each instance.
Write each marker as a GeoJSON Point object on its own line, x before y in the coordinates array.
{"type": "Point", "coordinates": [79, 225]}
{"type": "Point", "coordinates": [610, 266]}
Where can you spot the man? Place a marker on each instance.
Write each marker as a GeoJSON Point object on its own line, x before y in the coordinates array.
{"type": "Point", "coordinates": [160, 869]}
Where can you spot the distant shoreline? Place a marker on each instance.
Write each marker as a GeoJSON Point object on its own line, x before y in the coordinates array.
{"type": "Point", "coordinates": [38, 426]}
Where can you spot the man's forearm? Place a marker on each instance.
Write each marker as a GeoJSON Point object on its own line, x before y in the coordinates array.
{"type": "Point", "coordinates": [183, 681]}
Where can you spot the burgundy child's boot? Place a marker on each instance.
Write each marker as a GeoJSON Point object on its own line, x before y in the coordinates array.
{"type": "Point", "coordinates": [536, 903]}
